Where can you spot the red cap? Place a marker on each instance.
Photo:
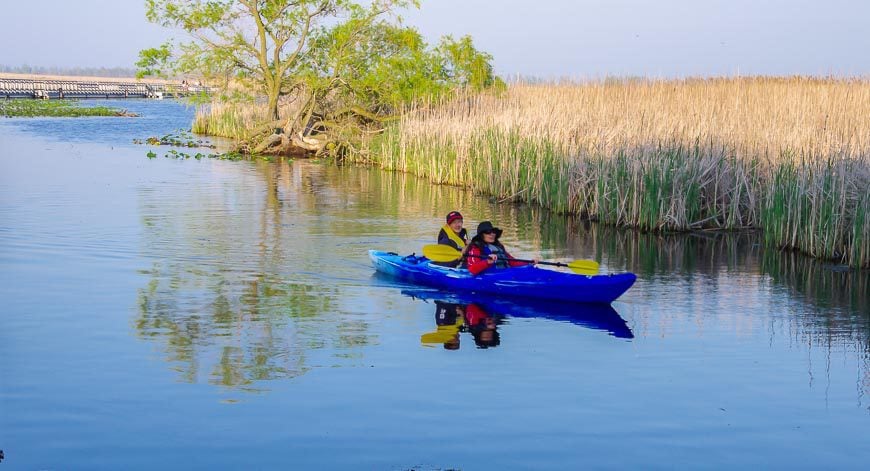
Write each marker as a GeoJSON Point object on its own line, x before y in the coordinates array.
{"type": "Point", "coordinates": [452, 216]}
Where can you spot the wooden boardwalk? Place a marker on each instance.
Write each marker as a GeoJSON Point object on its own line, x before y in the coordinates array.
{"type": "Point", "coordinates": [53, 87]}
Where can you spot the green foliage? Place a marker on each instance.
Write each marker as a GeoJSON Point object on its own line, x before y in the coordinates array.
{"type": "Point", "coordinates": [376, 65]}
{"type": "Point", "coordinates": [253, 43]}
{"type": "Point", "coordinates": [381, 66]}
{"type": "Point", "coordinates": [466, 66]}
{"type": "Point", "coordinates": [154, 61]}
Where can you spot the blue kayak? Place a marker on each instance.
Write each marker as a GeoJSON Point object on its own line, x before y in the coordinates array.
{"type": "Point", "coordinates": [527, 281]}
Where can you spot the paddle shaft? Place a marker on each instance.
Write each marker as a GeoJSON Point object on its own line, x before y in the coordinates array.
{"type": "Point", "coordinates": [445, 253]}
{"type": "Point", "coordinates": [539, 262]}
{"type": "Point", "coordinates": [555, 264]}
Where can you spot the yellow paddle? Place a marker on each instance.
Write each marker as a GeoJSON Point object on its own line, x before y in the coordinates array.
{"type": "Point", "coordinates": [444, 334]}
{"type": "Point", "coordinates": [446, 253]}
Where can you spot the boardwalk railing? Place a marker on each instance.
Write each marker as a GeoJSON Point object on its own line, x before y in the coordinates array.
{"type": "Point", "coordinates": [72, 88]}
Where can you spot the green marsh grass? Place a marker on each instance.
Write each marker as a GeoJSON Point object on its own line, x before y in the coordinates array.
{"type": "Point", "coordinates": [235, 119]}
{"type": "Point", "coordinates": [232, 120]}
{"type": "Point", "coordinates": [30, 108]}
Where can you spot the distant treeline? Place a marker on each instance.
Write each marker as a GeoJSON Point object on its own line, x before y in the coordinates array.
{"type": "Point", "coordinates": [80, 71]}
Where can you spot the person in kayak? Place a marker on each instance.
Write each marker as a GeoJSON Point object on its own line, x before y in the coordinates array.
{"type": "Point", "coordinates": [485, 251]}
{"type": "Point", "coordinates": [454, 235]}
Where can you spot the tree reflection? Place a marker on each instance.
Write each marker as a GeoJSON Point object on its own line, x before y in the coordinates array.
{"type": "Point", "coordinates": [225, 308]}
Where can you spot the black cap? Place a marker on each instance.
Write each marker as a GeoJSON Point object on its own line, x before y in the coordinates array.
{"type": "Point", "coordinates": [487, 226]}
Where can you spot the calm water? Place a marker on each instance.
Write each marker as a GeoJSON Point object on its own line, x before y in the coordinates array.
{"type": "Point", "coordinates": [209, 314]}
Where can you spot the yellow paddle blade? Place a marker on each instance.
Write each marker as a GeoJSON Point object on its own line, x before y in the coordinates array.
{"type": "Point", "coordinates": [584, 267]}
{"type": "Point", "coordinates": [437, 337]}
{"type": "Point", "coordinates": [441, 253]}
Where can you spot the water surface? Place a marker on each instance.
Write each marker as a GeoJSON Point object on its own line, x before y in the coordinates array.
{"type": "Point", "coordinates": [211, 314]}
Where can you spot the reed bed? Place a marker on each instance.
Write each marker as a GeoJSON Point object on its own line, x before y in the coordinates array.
{"type": "Point", "coordinates": [235, 119]}
{"type": "Point", "coordinates": [790, 156]}
{"type": "Point", "coordinates": [232, 120]}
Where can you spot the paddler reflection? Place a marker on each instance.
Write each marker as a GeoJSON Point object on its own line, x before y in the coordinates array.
{"type": "Point", "coordinates": [450, 320]}
{"type": "Point", "coordinates": [483, 327]}
{"type": "Point", "coordinates": [481, 315]}
{"type": "Point", "coordinates": [453, 318]}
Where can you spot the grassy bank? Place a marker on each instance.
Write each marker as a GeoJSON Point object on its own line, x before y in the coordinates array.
{"type": "Point", "coordinates": [30, 108]}
{"type": "Point", "coordinates": [790, 156]}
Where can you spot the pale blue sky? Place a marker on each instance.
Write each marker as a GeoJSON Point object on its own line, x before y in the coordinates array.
{"type": "Point", "coordinates": [544, 38]}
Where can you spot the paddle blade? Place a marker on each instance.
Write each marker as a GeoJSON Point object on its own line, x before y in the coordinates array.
{"type": "Point", "coordinates": [584, 267]}
{"type": "Point", "coordinates": [438, 337]}
{"type": "Point", "coordinates": [441, 253]}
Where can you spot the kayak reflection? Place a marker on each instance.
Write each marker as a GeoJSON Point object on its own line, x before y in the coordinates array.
{"type": "Point", "coordinates": [481, 315]}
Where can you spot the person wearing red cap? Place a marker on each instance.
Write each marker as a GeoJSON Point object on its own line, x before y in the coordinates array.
{"type": "Point", "coordinates": [454, 235]}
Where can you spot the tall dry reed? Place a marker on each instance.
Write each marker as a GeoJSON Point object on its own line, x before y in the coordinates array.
{"type": "Point", "coordinates": [235, 119]}
{"type": "Point", "coordinates": [788, 155]}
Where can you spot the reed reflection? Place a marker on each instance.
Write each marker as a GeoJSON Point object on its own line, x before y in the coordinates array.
{"type": "Point", "coordinates": [822, 307]}
{"type": "Point", "coordinates": [737, 259]}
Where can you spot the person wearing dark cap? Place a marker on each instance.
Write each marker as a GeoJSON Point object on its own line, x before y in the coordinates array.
{"type": "Point", "coordinates": [486, 251]}
{"type": "Point", "coordinates": [454, 235]}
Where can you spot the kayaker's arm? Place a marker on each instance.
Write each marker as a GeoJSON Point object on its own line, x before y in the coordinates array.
{"type": "Point", "coordinates": [476, 262]}
{"type": "Point", "coordinates": [516, 263]}
{"type": "Point", "coordinates": [480, 266]}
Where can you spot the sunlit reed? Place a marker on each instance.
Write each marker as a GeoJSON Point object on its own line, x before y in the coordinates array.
{"type": "Point", "coordinates": [237, 120]}
{"type": "Point", "coordinates": [788, 155]}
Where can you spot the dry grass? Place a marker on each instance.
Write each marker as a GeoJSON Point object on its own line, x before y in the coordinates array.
{"type": "Point", "coordinates": [788, 155]}
{"type": "Point", "coordinates": [236, 119]}
{"type": "Point", "coordinates": [232, 120]}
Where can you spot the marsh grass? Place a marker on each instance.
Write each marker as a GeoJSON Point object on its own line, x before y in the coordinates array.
{"type": "Point", "coordinates": [236, 120]}
{"type": "Point", "coordinates": [30, 108]}
{"type": "Point", "coordinates": [232, 120]}
{"type": "Point", "coordinates": [788, 155]}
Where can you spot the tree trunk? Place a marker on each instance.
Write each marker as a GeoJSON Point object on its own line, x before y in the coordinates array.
{"type": "Point", "coordinates": [274, 144]}
{"type": "Point", "coordinates": [273, 105]}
